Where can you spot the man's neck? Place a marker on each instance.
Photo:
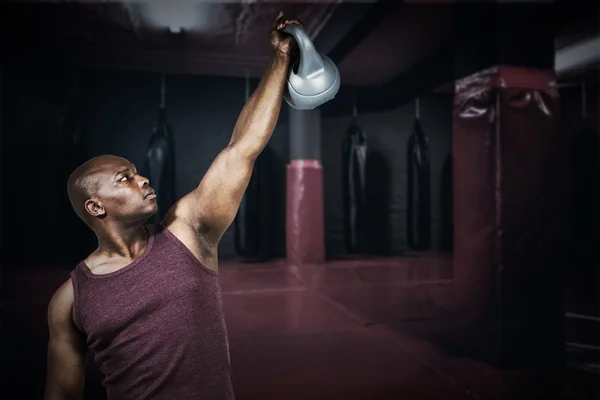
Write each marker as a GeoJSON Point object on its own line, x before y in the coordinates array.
{"type": "Point", "coordinates": [122, 242]}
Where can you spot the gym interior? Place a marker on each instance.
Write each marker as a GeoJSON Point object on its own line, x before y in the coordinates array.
{"type": "Point", "coordinates": [429, 233]}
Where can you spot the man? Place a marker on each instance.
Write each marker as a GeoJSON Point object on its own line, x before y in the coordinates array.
{"type": "Point", "coordinates": [147, 302]}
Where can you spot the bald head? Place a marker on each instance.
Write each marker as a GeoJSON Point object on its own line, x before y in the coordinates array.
{"type": "Point", "coordinates": [84, 181]}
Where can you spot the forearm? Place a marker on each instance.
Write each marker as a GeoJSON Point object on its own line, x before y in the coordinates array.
{"type": "Point", "coordinates": [65, 377]}
{"type": "Point", "coordinates": [259, 116]}
{"type": "Point", "coordinates": [57, 391]}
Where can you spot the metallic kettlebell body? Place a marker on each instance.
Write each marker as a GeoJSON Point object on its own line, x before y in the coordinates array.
{"type": "Point", "coordinates": [317, 80]}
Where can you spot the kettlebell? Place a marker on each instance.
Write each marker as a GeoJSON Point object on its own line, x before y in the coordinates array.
{"type": "Point", "coordinates": [317, 80]}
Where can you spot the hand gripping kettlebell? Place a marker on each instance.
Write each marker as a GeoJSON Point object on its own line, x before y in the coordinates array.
{"type": "Point", "coordinates": [317, 80]}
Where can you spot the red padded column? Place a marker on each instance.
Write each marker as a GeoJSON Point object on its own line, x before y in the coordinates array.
{"type": "Point", "coordinates": [305, 241]}
{"type": "Point", "coordinates": [511, 200]}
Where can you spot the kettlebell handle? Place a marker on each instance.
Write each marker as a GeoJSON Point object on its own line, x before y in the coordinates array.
{"type": "Point", "coordinates": [311, 62]}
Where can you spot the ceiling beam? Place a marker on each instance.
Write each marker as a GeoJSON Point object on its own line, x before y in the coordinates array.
{"type": "Point", "coordinates": [424, 77]}
{"type": "Point", "coordinates": [350, 25]}
{"type": "Point", "coordinates": [345, 17]}
{"type": "Point", "coordinates": [172, 60]}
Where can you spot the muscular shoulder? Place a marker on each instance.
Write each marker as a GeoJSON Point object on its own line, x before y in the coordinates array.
{"type": "Point", "coordinates": [60, 308]}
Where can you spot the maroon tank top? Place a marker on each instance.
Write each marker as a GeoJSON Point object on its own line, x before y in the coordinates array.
{"type": "Point", "coordinates": [156, 327]}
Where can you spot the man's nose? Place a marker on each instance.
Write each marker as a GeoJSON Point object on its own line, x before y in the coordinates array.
{"type": "Point", "coordinates": [143, 181]}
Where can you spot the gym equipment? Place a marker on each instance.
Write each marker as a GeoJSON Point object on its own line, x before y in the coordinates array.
{"type": "Point", "coordinates": [354, 160]}
{"type": "Point", "coordinates": [419, 208]}
{"type": "Point", "coordinates": [313, 79]}
{"type": "Point", "coordinates": [247, 223]}
{"type": "Point", "coordinates": [160, 160]}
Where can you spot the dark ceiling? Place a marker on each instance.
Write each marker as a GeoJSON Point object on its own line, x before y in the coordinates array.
{"type": "Point", "coordinates": [374, 43]}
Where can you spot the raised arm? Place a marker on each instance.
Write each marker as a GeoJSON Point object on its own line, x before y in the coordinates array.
{"type": "Point", "coordinates": [211, 208]}
{"type": "Point", "coordinates": [66, 349]}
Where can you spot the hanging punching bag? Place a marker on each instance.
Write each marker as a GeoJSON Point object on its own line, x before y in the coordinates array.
{"type": "Point", "coordinates": [160, 161]}
{"type": "Point", "coordinates": [586, 197]}
{"type": "Point", "coordinates": [354, 159]}
{"type": "Point", "coordinates": [247, 223]}
{"type": "Point", "coordinates": [418, 190]}
{"type": "Point", "coordinates": [447, 223]}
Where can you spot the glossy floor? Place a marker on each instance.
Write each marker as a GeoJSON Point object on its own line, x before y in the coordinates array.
{"type": "Point", "coordinates": [346, 330]}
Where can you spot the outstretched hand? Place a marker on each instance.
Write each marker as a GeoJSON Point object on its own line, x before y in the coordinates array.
{"type": "Point", "coordinates": [283, 42]}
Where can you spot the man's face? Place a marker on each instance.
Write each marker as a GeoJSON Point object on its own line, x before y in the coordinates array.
{"type": "Point", "coordinates": [122, 192]}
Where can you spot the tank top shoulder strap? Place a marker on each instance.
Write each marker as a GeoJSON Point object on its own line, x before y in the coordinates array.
{"type": "Point", "coordinates": [78, 279]}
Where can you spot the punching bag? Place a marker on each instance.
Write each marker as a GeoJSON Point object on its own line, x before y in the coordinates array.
{"type": "Point", "coordinates": [418, 190]}
{"type": "Point", "coordinates": [447, 223]}
{"type": "Point", "coordinates": [586, 178]}
{"type": "Point", "coordinates": [247, 223]}
{"type": "Point", "coordinates": [159, 166]}
{"type": "Point", "coordinates": [354, 169]}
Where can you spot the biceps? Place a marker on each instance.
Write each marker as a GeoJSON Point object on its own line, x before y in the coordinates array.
{"type": "Point", "coordinates": [66, 353]}
{"type": "Point", "coordinates": [66, 368]}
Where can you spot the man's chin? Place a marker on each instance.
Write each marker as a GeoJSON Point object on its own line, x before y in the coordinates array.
{"type": "Point", "coordinates": [146, 214]}
{"type": "Point", "coordinates": [152, 211]}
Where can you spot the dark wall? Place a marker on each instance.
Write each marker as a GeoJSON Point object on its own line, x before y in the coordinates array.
{"type": "Point", "coordinates": [117, 111]}
{"type": "Point", "coordinates": [387, 137]}
{"type": "Point", "coordinates": [581, 275]}
{"type": "Point", "coordinates": [572, 106]}
{"type": "Point", "coordinates": [586, 184]}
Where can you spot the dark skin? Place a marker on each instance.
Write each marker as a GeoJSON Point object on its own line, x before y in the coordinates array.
{"type": "Point", "coordinates": [115, 201]}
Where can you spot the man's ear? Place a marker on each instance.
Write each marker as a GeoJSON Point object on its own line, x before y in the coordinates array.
{"type": "Point", "coordinates": [95, 208]}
